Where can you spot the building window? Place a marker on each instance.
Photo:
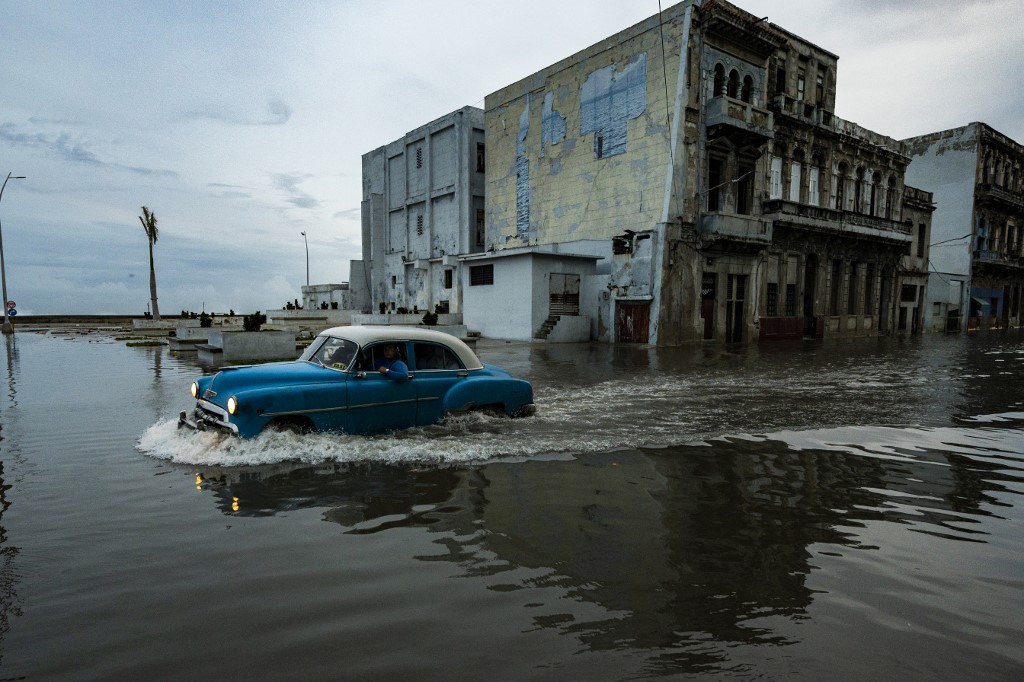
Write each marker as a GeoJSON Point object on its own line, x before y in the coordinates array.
{"type": "Point", "coordinates": [791, 300]}
{"type": "Point", "coordinates": [851, 298]}
{"type": "Point", "coordinates": [908, 294]}
{"type": "Point", "coordinates": [481, 275]}
{"type": "Point", "coordinates": [734, 84]}
{"type": "Point", "coordinates": [745, 190]}
{"type": "Point", "coordinates": [772, 307]}
{"type": "Point", "coordinates": [794, 177]}
{"type": "Point", "coordinates": [800, 86]}
{"type": "Point", "coordinates": [480, 157]}
{"type": "Point", "coordinates": [780, 80]}
{"type": "Point", "coordinates": [747, 92]}
{"type": "Point", "coordinates": [840, 180]}
{"type": "Point", "coordinates": [776, 188]}
{"type": "Point", "coordinates": [447, 279]}
{"type": "Point", "coordinates": [599, 146]}
{"type": "Point", "coordinates": [869, 288]}
{"type": "Point", "coordinates": [719, 80]}
{"type": "Point", "coordinates": [419, 157]}
{"type": "Point", "coordinates": [419, 226]}
{"type": "Point", "coordinates": [836, 287]}
{"type": "Point", "coordinates": [394, 280]}
{"type": "Point", "coordinates": [479, 227]}
{"type": "Point", "coordinates": [921, 228]}
{"type": "Point", "coordinates": [813, 175]}
{"type": "Point", "coordinates": [714, 195]}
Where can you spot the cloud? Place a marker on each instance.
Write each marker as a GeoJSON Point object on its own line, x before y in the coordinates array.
{"type": "Point", "coordinates": [289, 184]}
{"type": "Point", "coordinates": [276, 113]}
{"type": "Point", "coordinates": [349, 214]}
{"type": "Point", "coordinates": [64, 147]}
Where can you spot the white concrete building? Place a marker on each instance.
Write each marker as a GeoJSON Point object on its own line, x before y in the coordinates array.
{"type": "Point", "coordinates": [977, 237]}
{"type": "Point", "coordinates": [423, 208]}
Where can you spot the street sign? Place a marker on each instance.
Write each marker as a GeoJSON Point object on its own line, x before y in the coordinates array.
{"type": "Point", "coordinates": [11, 312]}
{"type": "Point", "coordinates": [12, 304]}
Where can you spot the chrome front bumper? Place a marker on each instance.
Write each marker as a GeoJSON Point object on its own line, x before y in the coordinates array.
{"type": "Point", "coordinates": [206, 416]}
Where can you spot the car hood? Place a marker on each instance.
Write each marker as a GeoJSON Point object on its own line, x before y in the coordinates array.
{"type": "Point", "coordinates": [234, 379]}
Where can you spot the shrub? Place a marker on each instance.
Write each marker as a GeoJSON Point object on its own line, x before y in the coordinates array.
{"type": "Point", "coordinates": [430, 319]}
{"type": "Point", "coordinates": [205, 320]}
{"type": "Point", "coordinates": [252, 323]}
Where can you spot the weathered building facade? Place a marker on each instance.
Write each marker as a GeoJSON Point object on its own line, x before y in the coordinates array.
{"type": "Point", "coordinates": [977, 254]}
{"type": "Point", "coordinates": [696, 160]}
{"type": "Point", "coordinates": [422, 209]}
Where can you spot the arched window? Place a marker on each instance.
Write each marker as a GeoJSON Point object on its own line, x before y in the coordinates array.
{"type": "Point", "coordinates": [858, 191]}
{"type": "Point", "coordinates": [719, 80]}
{"type": "Point", "coordinates": [734, 84]}
{"type": "Point", "coordinates": [876, 181]}
{"type": "Point", "coordinates": [795, 170]}
{"type": "Point", "coordinates": [747, 93]}
{"type": "Point", "coordinates": [840, 181]}
{"type": "Point", "coordinates": [775, 190]}
{"type": "Point", "coordinates": [890, 197]}
{"type": "Point", "coordinates": [814, 181]}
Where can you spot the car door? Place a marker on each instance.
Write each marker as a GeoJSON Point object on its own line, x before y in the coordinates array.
{"type": "Point", "coordinates": [377, 403]}
{"type": "Point", "coordinates": [437, 370]}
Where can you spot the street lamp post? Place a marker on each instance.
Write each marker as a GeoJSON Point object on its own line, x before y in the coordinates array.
{"type": "Point", "coordinates": [8, 328]}
{"type": "Point", "coordinates": [307, 258]}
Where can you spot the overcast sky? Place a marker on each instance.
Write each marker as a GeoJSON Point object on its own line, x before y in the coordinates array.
{"type": "Point", "coordinates": [242, 124]}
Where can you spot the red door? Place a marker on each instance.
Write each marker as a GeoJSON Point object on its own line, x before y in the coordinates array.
{"type": "Point", "coordinates": [632, 322]}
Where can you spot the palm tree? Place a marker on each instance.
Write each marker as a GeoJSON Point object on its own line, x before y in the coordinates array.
{"type": "Point", "coordinates": [148, 220]}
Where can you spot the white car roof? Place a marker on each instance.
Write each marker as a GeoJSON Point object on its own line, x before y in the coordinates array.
{"type": "Point", "coordinates": [366, 334]}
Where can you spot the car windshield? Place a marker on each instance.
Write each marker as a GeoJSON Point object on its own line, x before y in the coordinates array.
{"type": "Point", "coordinates": [334, 353]}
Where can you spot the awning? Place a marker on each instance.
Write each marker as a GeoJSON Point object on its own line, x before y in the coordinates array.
{"type": "Point", "coordinates": [981, 301]}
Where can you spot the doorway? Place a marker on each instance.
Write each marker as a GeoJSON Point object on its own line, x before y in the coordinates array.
{"type": "Point", "coordinates": [736, 293]}
{"type": "Point", "coordinates": [810, 282]}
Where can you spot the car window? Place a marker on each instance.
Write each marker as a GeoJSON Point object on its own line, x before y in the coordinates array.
{"type": "Point", "coordinates": [336, 353]}
{"type": "Point", "coordinates": [372, 356]}
{"type": "Point", "coordinates": [434, 356]}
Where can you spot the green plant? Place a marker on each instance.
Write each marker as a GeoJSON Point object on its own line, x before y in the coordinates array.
{"type": "Point", "coordinates": [430, 319]}
{"type": "Point", "coordinates": [205, 320]}
{"type": "Point", "coordinates": [252, 323]}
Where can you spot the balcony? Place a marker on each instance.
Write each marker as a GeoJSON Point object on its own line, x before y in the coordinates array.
{"type": "Point", "coordinates": [990, 193]}
{"type": "Point", "coordinates": [998, 260]}
{"type": "Point", "coordinates": [737, 228]}
{"type": "Point", "coordinates": [740, 121]}
{"type": "Point", "coordinates": [828, 220]}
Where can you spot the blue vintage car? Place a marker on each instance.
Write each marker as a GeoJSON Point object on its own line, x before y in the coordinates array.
{"type": "Point", "coordinates": [358, 379]}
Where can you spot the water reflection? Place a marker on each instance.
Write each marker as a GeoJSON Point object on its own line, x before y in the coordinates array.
{"type": "Point", "coordinates": [9, 603]}
{"type": "Point", "coordinates": [686, 551]}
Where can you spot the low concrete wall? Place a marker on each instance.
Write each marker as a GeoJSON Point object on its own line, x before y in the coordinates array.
{"type": "Point", "coordinates": [412, 319]}
{"type": "Point", "coordinates": [570, 329]}
{"type": "Point", "coordinates": [235, 346]}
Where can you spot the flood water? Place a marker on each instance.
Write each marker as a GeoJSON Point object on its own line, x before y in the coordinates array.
{"type": "Point", "coordinates": [841, 511]}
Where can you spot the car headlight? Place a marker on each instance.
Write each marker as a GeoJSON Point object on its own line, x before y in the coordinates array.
{"type": "Point", "coordinates": [195, 390]}
{"type": "Point", "coordinates": [232, 405]}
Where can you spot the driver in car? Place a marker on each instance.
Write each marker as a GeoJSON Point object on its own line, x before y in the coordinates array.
{"type": "Point", "coordinates": [391, 364]}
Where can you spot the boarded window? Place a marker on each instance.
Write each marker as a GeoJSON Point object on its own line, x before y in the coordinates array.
{"type": "Point", "coordinates": [481, 275]}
